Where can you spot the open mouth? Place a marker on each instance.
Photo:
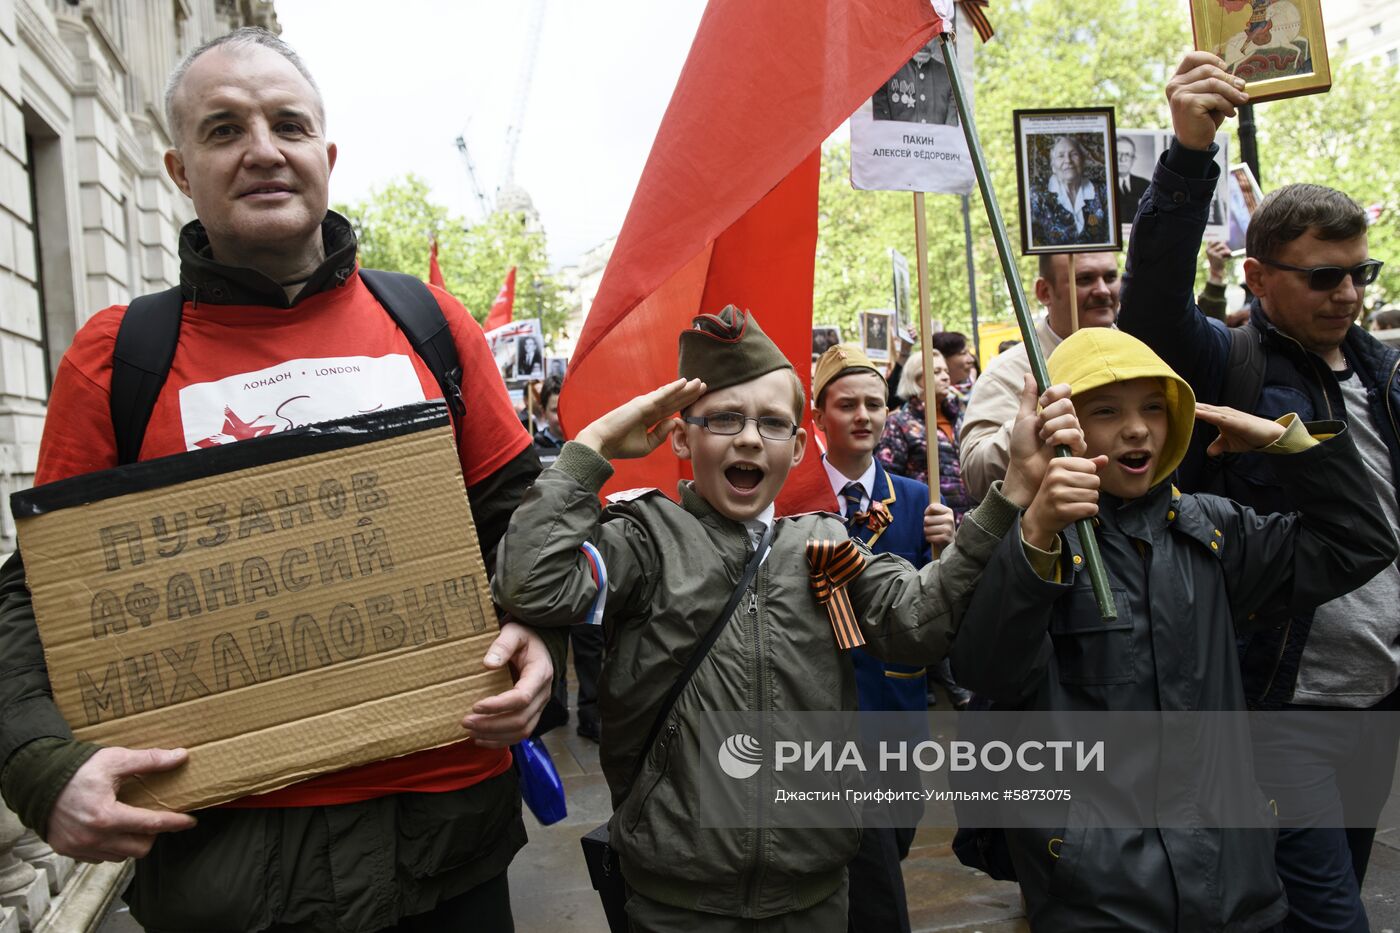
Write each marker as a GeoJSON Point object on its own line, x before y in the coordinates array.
{"type": "Point", "coordinates": [1135, 462]}
{"type": "Point", "coordinates": [744, 477]}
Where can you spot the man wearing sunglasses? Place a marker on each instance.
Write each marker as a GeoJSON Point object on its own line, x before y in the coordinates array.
{"type": "Point", "coordinates": [1307, 265]}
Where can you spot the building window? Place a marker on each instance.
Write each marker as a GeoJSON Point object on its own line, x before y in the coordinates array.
{"type": "Point", "coordinates": [1376, 29]}
{"type": "Point", "coordinates": [1392, 57]}
{"type": "Point", "coordinates": [52, 238]}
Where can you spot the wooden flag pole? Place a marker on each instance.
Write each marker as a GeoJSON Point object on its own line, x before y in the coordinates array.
{"type": "Point", "coordinates": [1073, 296]}
{"type": "Point", "coordinates": [1092, 558]}
{"type": "Point", "coordinates": [926, 347]}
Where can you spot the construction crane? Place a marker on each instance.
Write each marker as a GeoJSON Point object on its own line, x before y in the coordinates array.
{"type": "Point", "coordinates": [534, 27]}
{"type": "Point", "coordinates": [481, 199]}
{"type": "Point", "coordinates": [522, 97]}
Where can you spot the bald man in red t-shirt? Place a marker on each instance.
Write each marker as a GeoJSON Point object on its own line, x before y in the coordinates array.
{"type": "Point", "coordinates": [278, 330]}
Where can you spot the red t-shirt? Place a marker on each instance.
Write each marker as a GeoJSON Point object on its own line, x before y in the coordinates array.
{"type": "Point", "coordinates": [243, 371]}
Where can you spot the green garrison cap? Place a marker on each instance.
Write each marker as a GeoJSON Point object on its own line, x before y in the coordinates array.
{"type": "Point", "coordinates": [728, 348]}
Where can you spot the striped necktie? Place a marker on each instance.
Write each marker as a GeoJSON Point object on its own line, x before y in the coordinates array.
{"type": "Point", "coordinates": [853, 493]}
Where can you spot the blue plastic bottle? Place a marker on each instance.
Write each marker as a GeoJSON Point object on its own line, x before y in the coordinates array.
{"type": "Point", "coordinates": [540, 786]}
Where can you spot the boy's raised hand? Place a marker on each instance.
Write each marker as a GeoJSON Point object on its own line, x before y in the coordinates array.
{"type": "Point", "coordinates": [1069, 492]}
{"type": "Point", "coordinates": [638, 427]}
{"type": "Point", "coordinates": [1034, 436]}
{"type": "Point", "coordinates": [1239, 432]}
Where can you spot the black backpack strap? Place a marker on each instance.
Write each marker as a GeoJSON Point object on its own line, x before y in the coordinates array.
{"type": "Point", "coordinates": [1244, 369]}
{"type": "Point", "coordinates": [414, 309]}
{"type": "Point", "coordinates": [1240, 390]}
{"type": "Point", "coordinates": [698, 655]}
{"type": "Point", "coordinates": [141, 360]}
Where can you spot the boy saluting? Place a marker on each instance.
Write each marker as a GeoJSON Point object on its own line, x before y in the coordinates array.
{"type": "Point", "coordinates": [670, 569]}
{"type": "Point", "coordinates": [1188, 572]}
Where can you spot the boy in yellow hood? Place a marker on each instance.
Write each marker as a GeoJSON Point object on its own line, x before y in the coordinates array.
{"type": "Point", "coordinates": [1187, 573]}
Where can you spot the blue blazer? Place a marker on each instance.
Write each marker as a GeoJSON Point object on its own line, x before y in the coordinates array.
{"type": "Point", "coordinates": [882, 686]}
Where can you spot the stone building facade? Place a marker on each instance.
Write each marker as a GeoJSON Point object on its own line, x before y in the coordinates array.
{"type": "Point", "coordinates": [88, 218]}
{"type": "Point", "coordinates": [1364, 30]}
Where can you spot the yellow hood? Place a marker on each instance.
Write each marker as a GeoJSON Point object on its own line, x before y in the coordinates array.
{"type": "Point", "coordinates": [1098, 356]}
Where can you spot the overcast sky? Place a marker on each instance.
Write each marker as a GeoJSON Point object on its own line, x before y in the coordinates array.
{"type": "Point", "coordinates": [402, 80]}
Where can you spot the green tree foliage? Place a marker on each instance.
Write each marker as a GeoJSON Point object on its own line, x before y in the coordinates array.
{"type": "Point", "coordinates": [1348, 139]}
{"type": "Point", "coordinates": [396, 223]}
{"type": "Point", "coordinates": [1118, 53]}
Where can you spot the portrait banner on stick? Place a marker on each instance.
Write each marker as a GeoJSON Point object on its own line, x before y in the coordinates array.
{"type": "Point", "coordinates": [907, 136]}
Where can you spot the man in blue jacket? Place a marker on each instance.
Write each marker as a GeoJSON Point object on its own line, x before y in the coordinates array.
{"type": "Point", "coordinates": [1308, 266]}
{"type": "Point", "coordinates": [891, 514]}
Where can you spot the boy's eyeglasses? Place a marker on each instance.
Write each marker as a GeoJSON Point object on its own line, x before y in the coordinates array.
{"type": "Point", "coordinates": [770, 427]}
{"type": "Point", "coordinates": [1326, 278]}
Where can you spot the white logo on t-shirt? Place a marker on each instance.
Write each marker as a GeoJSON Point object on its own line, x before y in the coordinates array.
{"type": "Point", "coordinates": [292, 394]}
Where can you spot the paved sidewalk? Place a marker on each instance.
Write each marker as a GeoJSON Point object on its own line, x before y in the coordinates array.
{"type": "Point", "coordinates": [943, 895]}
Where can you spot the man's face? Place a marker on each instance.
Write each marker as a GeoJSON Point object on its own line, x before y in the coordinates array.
{"type": "Point", "coordinates": [551, 416]}
{"type": "Point", "coordinates": [1065, 160]}
{"type": "Point", "coordinates": [853, 413]}
{"type": "Point", "coordinates": [1097, 285]}
{"type": "Point", "coordinates": [1126, 422]}
{"type": "Point", "coordinates": [251, 153]}
{"type": "Point", "coordinates": [740, 474]}
{"type": "Point", "coordinates": [1127, 154]}
{"type": "Point", "coordinates": [1317, 320]}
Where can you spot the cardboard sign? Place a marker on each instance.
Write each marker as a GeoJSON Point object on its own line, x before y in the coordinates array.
{"type": "Point", "coordinates": [283, 607]}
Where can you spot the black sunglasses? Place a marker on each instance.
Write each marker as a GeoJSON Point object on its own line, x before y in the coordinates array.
{"type": "Point", "coordinates": [1326, 278]}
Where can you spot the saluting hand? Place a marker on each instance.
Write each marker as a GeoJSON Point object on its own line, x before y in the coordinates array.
{"type": "Point", "coordinates": [1239, 432]}
{"type": "Point", "coordinates": [638, 427]}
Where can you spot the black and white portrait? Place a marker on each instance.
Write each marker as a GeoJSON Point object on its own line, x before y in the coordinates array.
{"type": "Point", "coordinates": [529, 358]}
{"type": "Point", "coordinates": [1137, 154]}
{"type": "Point", "coordinates": [919, 92]}
{"type": "Point", "coordinates": [875, 334]}
{"type": "Point", "coordinates": [824, 337]}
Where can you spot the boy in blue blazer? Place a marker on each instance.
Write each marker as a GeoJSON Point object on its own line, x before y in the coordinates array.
{"type": "Point", "coordinates": [890, 514]}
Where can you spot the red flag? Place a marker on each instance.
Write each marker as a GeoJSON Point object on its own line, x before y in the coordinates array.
{"type": "Point", "coordinates": [502, 307]}
{"type": "Point", "coordinates": [435, 271]}
{"type": "Point", "coordinates": [726, 209]}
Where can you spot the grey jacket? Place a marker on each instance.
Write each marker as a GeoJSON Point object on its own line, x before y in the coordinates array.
{"type": "Point", "coordinates": [670, 570]}
{"type": "Point", "coordinates": [1188, 572]}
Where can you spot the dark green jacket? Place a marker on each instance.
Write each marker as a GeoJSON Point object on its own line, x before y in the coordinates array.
{"type": "Point", "coordinates": [1188, 573]}
{"type": "Point", "coordinates": [355, 867]}
{"type": "Point", "coordinates": [670, 569]}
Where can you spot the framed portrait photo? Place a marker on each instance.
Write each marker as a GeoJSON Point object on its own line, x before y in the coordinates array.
{"type": "Point", "coordinates": [899, 267]}
{"type": "Point", "coordinates": [1136, 153]}
{"type": "Point", "coordinates": [1244, 197]}
{"type": "Point", "coordinates": [1067, 177]}
{"type": "Point", "coordinates": [824, 337]}
{"type": "Point", "coordinates": [1277, 46]}
{"type": "Point", "coordinates": [876, 332]}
